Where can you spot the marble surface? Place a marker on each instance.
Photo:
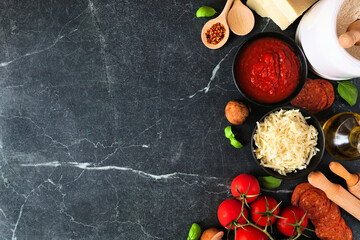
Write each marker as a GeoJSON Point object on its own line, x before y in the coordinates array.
{"type": "Point", "coordinates": [112, 119]}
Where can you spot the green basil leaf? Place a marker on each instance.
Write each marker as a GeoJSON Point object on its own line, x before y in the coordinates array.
{"type": "Point", "coordinates": [228, 132]}
{"type": "Point", "coordinates": [205, 11]}
{"type": "Point", "coordinates": [269, 182]}
{"type": "Point", "coordinates": [195, 232]}
{"type": "Point", "coordinates": [230, 135]}
{"type": "Point", "coordinates": [235, 143]}
{"type": "Point", "coordinates": [348, 92]}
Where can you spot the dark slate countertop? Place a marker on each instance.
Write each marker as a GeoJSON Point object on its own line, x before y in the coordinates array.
{"type": "Point", "coordinates": [112, 119]}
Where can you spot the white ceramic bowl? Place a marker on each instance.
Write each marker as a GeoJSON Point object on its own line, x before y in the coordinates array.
{"type": "Point", "coordinates": [316, 34]}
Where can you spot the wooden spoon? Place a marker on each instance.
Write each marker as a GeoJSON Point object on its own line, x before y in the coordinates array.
{"type": "Point", "coordinates": [240, 19]}
{"type": "Point", "coordinates": [220, 19]}
{"type": "Point", "coordinates": [352, 36]}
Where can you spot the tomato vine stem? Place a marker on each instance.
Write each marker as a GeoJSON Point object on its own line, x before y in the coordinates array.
{"type": "Point", "coordinates": [297, 225]}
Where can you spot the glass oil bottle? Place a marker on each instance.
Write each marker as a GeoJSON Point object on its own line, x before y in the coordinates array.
{"type": "Point", "coordinates": [342, 136]}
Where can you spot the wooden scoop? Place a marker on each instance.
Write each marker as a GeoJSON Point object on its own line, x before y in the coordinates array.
{"type": "Point", "coordinates": [240, 19]}
{"type": "Point", "coordinates": [220, 19]}
{"type": "Point", "coordinates": [352, 36]}
{"type": "Point", "coordinates": [336, 193]}
{"type": "Point", "coordinates": [352, 180]}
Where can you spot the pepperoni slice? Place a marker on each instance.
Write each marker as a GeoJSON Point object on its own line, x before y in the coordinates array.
{"type": "Point", "coordinates": [329, 89]}
{"type": "Point", "coordinates": [348, 233]}
{"type": "Point", "coordinates": [331, 218]}
{"type": "Point", "coordinates": [319, 95]}
{"type": "Point", "coordinates": [323, 98]}
{"type": "Point", "coordinates": [298, 191]}
{"type": "Point", "coordinates": [315, 202]}
{"type": "Point", "coordinates": [316, 96]}
{"type": "Point", "coordinates": [336, 232]}
{"type": "Point", "coordinates": [309, 97]}
{"type": "Point", "coordinates": [303, 97]}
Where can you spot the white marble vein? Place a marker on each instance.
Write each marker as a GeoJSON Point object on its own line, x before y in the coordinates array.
{"type": "Point", "coordinates": [72, 219]}
{"type": "Point", "coordinates": [90, 166]}
{"type": "Point", "coordinates": [213, 75]}
{"type": "Point", "coordinates": [141, 227]}
{"type": "Point", "coordinates": [103, 45]}
{"type": "Point", "coordinates": [54, 141]}
{"type": "Point", "coordinates": [3, 213]}
{"type": "Point", "coordinates": [62, 205]}
{"type": "Point", "coordinates": [266, 24]}
{"type": "Point", "coordinates": [276, 191]}
{"type": "Point", "coordinates": [4, 64]}
{"type": "Point", "coordinates": [13, 237]}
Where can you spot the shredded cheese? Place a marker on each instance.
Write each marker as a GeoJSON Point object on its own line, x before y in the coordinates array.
{"type": "Point", "coordinates": [285, 141]}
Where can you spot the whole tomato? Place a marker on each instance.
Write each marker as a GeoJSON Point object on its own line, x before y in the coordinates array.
{"type": "Point", "coordinates": [259, 206]}
{"type": "Point", "coordinates": [245, 183]}
{"type": "Point", "coordinates": [229, 210]}
{"type": "Point", "coordinates": [250, 233]}
{"type": "Point", "coordinates": [288, 214]}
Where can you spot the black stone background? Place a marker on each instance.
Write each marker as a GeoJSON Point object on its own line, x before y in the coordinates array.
{"type": "Point", "coordinates": [112, 119]}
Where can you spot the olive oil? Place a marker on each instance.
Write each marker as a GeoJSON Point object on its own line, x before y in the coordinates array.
{"type": "Point", "coordinates": [342, 136]}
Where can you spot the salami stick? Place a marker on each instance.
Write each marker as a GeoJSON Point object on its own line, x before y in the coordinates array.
{"type": "Point", "coordinates": [336, 193]}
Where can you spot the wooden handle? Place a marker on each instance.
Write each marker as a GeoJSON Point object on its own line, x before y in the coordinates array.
{"type": "Point", "coordinates": [352, 36]}
{"type": "Point", "coordinates": [226, 9]}
{"type": "Point", "coordinates": [336, 193]}
{"type": "Point", "coordinates": [238, 2]}
{"type": "Point", "coordinates": [338, 169]}
{"type": "Point", "coordinates": [349, 39]}
{"type": "Point", "coordinates": [355, 190]}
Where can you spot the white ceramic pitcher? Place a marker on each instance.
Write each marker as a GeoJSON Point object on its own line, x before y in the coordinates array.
{"type": "Point", "coordinates": [317, 36]}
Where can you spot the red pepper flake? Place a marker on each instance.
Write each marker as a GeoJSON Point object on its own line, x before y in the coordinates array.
{"type": "Point", "coordinates": [215, 34]}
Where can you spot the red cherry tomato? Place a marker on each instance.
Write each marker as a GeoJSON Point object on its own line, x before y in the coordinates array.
{"type": "Point", "coordinates": [250, 233]}
{"type": "Point", "coordinates": [288, 213]}
{"type": "Point", "coordinates": [230, 210]}
{"type": "Point", "coordinates": [245, 183]}
{"type": "Point", "coordinates": [259, 206]}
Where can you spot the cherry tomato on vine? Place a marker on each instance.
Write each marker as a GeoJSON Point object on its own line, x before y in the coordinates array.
{"type": "Point", "coordinates": [259, 210]}
{"type": "Point", "coordinates": [229, 210]}
{"type": "Point", "coordinates": [288, 213]}
{"type": "Point", "coordinates": [245, 184]}
{"type": "Point", "coordinates": [250, 233]}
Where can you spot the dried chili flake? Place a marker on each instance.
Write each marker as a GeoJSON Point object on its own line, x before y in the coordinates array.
{"type": "Point", "coordinates": [215, 34]}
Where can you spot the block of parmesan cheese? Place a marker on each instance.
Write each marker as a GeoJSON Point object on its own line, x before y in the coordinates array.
{"type": "Point", "coordinates": [282, 12]}
{"type": "Point", "coordinates": [292, 9]}
{"type": "Point", "coordinates": [266, 8]}
{"type": "Point", "coordinates": [258, 7]}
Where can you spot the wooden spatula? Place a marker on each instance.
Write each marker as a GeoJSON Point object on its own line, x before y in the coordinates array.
{"type": "Point", "coordinates": [352, 180]}
{"type": "Point", "coordinates": [352, 36]}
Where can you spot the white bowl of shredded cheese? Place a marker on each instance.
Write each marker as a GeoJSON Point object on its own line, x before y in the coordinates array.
{"type": "Point", "coordinates": [288, 142]}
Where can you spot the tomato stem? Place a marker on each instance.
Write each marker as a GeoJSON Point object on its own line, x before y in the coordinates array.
{"type": "Point", "coordinates": [297, 226]}
{"type": "Point", "coordinates": [243, 197]}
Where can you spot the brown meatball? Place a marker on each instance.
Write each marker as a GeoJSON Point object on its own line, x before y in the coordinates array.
{"type": "Point", "coordinates": [236, 112]}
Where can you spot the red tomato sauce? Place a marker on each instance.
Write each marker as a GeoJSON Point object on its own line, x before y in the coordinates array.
{"type": "Point", "coordinates": [267, 70]}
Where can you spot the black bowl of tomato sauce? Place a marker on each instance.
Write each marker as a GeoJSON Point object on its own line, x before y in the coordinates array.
{"type": "Point", "coordinates": [270, 69]}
